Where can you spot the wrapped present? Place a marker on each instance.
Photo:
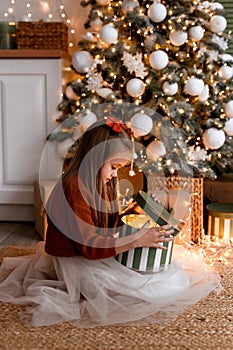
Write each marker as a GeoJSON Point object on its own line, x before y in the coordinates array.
{"type": "Point", "coordinates": [220, 221]}
{"type": "Point", "coordinates": [177, 192]}
{"type": "Point", "coordinates": [147, 259]}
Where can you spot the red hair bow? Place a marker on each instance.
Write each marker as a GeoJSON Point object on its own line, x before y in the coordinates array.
{"type": "Point", "coordinates": [117, 125]}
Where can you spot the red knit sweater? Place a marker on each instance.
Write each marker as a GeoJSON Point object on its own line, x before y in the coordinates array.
{"type": "Point", "coordinates": [71, 230]}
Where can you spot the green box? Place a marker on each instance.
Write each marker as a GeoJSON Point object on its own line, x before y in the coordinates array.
{"type": "Point", "coordinates": [8, 38]}
{"type": "Point", "coordinates": [148, 259]}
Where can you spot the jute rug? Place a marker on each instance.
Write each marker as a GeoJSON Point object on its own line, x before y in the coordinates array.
{"type": "Point", "coordinates": [207, 325]}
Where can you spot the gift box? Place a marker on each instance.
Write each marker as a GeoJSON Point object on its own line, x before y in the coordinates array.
{"type": "Point", "coordinates": [220, 221]}
{"type": "Point", "coordinates": [147, 260]}
{"type": "Point", "coordinates": [193, 229]}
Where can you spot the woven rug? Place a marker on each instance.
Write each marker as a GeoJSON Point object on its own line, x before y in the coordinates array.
{"type": "Point", "coordinates": [207, 325]}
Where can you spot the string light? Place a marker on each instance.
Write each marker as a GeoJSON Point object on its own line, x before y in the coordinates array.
{"type": "Point", "coordinates": [46, 7]}
{"type": "Point", "coordinates": [10, 11]}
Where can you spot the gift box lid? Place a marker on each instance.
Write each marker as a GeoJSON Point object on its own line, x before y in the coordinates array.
{"type": "Point", "coordinates": [224, 210]}
{"type": "Point", "coordinates": [156, 211]}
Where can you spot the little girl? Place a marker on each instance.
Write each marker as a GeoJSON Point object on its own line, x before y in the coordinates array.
{"type": "Point", "coordinates": [75, 277]}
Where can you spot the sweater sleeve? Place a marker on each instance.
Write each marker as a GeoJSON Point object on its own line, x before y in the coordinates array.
{"type": "Point", "coordinates": [89, 244]}
{"type": "Point", "coordinates": [71, 229]}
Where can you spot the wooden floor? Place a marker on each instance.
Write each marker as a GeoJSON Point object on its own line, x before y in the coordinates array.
{"type": "Point", "coordinates": [21, 234]}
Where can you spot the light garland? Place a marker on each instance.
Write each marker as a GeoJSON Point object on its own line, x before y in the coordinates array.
{"type": "Point", "coordinates": [9, 13]}
{"type": "Point", "coordinates": [47, 8]}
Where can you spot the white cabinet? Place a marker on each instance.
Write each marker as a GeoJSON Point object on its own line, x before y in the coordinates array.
{"type": "Point", "coordinates": [30, 90]}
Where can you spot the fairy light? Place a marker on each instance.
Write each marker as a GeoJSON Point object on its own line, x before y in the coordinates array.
{"type": "Point", "coordinates": [47, 8]}
{"type": "Point", "coordinates": [28, 13]}
{"type": "Point", "coordinates": [10, 12]}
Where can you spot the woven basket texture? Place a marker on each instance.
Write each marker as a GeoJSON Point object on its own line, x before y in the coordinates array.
{"type": "Point", "coordinates": [192, 185]}
{"type": "Point", "coordinates": [42, 35]}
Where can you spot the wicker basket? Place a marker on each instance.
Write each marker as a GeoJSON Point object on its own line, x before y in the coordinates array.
{"type": "Point", "coordinates": [194, 187]}
{"type": "Point", "coordinates": [42, 35]}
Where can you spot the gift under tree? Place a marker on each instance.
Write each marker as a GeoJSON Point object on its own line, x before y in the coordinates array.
{"type": "Point", "coordinates": [168, 57]}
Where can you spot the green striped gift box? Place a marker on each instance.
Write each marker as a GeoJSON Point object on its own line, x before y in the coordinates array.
{"type": "Point", "coordinates": [143, 259]}
{"type": "Point", "coordinates": [220, 221]}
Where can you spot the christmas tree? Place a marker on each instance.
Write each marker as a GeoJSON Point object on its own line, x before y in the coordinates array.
{"type": "Point", "coordinates": [167, 62]}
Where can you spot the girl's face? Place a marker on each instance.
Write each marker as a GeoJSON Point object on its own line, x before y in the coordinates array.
{"type": "Point", "coordinates": [110, 168]}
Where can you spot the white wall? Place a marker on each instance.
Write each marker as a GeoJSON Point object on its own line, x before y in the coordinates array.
{"type": "Point", "coordinates": [39, 10]}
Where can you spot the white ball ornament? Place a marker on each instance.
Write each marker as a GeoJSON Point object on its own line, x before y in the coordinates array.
{"type": "Point", "coordinates": [104, 92]}
{"type": "Point", "coordinates": [204, 95]}
{"type": "Point", "coordinates": [194, 86]}
{"type": "Point", "coordinates": [129, 6]}
{"type": "Point", "coordinates": [204, 4]}
{"type": "Point", "coordinates": [108, 34]}
{"type": "Point", "coordinates": [157, 12]}
{"type": "Point", "coordinates": [228, 128]}
{"type": "Point", "coordinates": [218, 24]}
{"type": "Point", "coordinates": [135, 87]}
{"type": "Point", "coordinates": [225, 72]}
{"type": "Point", "coordinates": [155, 150]}
{"type": "Point", "coordinates": [141, 124]}
{"type": "Point", "coordinates": [178, 37]}
{"type": "Point", "coordinates": [214, 138]}
{"type": "Point", "coordinates": [87, 120]}
{"type": "Point", "coordinates": [229, 109]}
{"type": "Point", "coordinates": [82, 60]}
{"type": "Point", "coordinates": [196, 33]}
{"type": "Point", "coordinates": [226, 57]}
{"type": "Point", "coordinates": [216, 6]}
{"type": "Point", "coordinates": [103, 2]}
{"type": "Point", "coordinates": [170, 89]}
{"type": "Point", "coordinates": [158, 59]}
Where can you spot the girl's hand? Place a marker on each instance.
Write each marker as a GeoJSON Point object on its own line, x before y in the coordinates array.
{"type": "Point", "coordinates": [153, 237]}
{"type": "Point", "coordinates": [155, 198]}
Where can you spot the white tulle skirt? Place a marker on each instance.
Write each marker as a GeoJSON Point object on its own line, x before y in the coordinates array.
{"type": "Point", "coordinates": [102, 292]}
